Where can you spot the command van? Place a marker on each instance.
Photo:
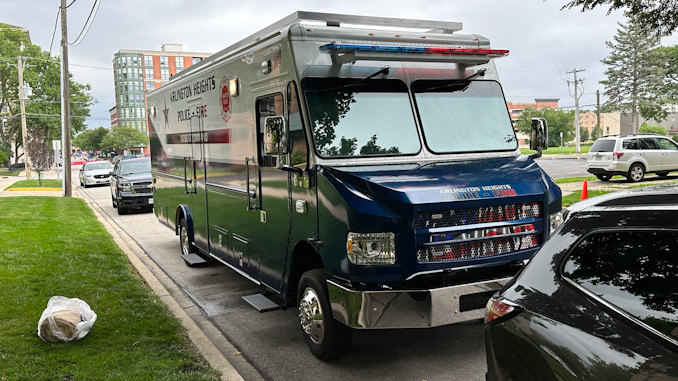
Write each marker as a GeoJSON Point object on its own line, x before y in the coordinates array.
{"type": "Point", "coordinates": [363, 169]}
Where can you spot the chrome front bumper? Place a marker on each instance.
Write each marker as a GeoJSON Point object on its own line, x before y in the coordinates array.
{"type": "Point", "coordinates": [410, 308]}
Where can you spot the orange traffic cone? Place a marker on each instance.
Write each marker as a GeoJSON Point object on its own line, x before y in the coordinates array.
{"type": "Point", "coordinates": [584, 192]}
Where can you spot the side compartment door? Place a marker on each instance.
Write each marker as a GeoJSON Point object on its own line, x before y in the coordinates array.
{"type": "Point", "coordinates": [195, 175]}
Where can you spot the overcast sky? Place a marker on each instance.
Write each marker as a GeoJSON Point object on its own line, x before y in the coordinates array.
{"type": "Point", "coordinates": [544, 42]}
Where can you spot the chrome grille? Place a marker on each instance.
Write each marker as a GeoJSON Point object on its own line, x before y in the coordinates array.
{"type": "Point", "coordinates": [143, 187]}
{"type": "Point", "coordinates": [476, 249]}
{"type": "Point", "coordinates": [470, 216]}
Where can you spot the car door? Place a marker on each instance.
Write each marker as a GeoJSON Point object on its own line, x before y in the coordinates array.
{"type": "Point", "coordinates": [652, 155]}
{"type": "Point", "coordinates": [273, 200]}
{"type": "Point", "coordinates": [669, 152]}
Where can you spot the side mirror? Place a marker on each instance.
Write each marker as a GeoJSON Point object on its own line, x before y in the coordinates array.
{"type": "Point", "coordinates": [539, 136]}
{"type": "Point", "coordinates": [275, 136]}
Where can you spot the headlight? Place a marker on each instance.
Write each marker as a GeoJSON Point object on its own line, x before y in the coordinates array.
{"type": "Point", "coordinates": [555, 220]}
{"type": "Point", "coordinates": [125, 187]}
{"type": "Point", "coordinates": [371, 248]}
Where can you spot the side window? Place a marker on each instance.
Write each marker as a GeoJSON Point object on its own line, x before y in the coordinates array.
{"type": "Point", "coordinates": [270, 105]}
{"type": "Point", "coordinates": [666, 144]}
{"type": "Point", "coordinates": [630, 144]}
{"type": "Point", "coordinates": [637, 271]}
{"type": "Point", "coordinates": [297, 140]}
{"type": "Point", "coordinates": [646, 143]}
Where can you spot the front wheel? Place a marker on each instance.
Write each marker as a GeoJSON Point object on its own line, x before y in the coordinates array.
{"type": "Point", "coordinates": [636, 173]}
{"type": "Point", "coordinates": [326, 338]}
{"type": "Point", "coordinates": [186, 246]}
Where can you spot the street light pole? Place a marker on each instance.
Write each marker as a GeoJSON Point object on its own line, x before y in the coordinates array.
{"type": "Point", "coordinates": [22, 105]}
{"type": "Point", "coordinates": [65, 104]}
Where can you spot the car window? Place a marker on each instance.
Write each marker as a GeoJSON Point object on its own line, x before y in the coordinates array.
{"type": "Point", "coordinates": [637, 271]}
{"type": "Point", "coordinates": [101, 165]}
{"type": "Point", "coordinates": [666, 144]}
{"type": "Point", "coordinates": [630, 144]}
{"type": "Point", "coordinates": [646, 143]}
{"type": "Point", "coordinates": [603, 145]}
{"type": "Point", "coordinates": [130, 167]}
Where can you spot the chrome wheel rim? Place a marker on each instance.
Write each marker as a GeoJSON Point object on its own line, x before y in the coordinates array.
{"type": "Point", "coordinates": [637, 173]}
{"type": "Point", "coordinates": [184, 240]}
{"type": "Point", "coordinates": [311, 316]}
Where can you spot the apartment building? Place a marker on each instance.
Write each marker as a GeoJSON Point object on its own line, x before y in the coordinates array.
{"type": "Point", "coordinates": [137, 71]}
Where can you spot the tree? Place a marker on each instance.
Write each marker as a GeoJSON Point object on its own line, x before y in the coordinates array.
{"type": "Point", "coordinates": [634, 74]}
{"type": "Point", "coordinates": [558, 121]}
{"type": "Point", "coordinates": [659, 15]}
{"type": "Point", "coordinates": [121, 138]}
{"type": "Point", "coordinates": [652, 129]}
{"type": "Point", "coordinates": [583, 134]}
{"type": "Point", "coordinates": [91, 139]}
{"type": "Point", "coordinates": [39, 151]}
{"type": "Point", "coordinates": [372, 148]}
{"type": "Point", "coordinates": [668, 58]}
{"type": "Point", "coordinates": [43, 107]}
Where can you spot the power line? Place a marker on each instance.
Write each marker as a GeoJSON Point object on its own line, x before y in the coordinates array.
{"type": "Point", "coordinates": [56, 21]}
{"type": "Point", "coordinates": [87, 24]}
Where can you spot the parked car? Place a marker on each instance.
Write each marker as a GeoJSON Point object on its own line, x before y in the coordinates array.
{"type": "Point", "coordinates": [632, 156]}
{"type": "Point", "coordinates": [131, 184]}
{"type": "Point", "coordinates": [599, 301]}
{"type": "Point", "coordinates": [95, 173]}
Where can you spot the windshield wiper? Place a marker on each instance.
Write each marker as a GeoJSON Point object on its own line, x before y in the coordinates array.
{"type": "Point", "coordinates": [384, 70]}
{"type": "Point", "coordinates": [462, 83]}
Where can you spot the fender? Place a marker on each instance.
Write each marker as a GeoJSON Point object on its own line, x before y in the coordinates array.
{"type": "Point", "coordinates": [183, 209]}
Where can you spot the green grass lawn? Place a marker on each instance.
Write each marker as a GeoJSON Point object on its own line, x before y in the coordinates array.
{"type": "Point", "coordinates": [46, 183]}
{"type": "Point", "coordinates": [55, 246]}
{"type": "Point", "coordinates": [584, 148]}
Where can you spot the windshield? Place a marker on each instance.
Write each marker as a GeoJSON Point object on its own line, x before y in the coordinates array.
{"type": "Point", "coordinates": [131, 167]}
{"type": "Point", "coordinates": [354, 117]}
{"type": "Point", "coordinates": [464, 116]}
{"type": "Point", "coordinates": [101, 165]}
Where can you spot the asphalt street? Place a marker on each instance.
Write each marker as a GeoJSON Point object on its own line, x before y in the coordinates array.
{"type": "Point", "coordinates": [270, 345]}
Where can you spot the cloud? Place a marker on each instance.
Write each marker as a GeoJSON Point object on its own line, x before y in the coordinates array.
{"type": "Point", "coordinates": [544, 42]}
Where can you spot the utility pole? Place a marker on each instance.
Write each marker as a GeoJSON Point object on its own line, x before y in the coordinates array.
{"type": "Point", "coordinates": [576, 106]}
{"type": "Point", "coordinates": [65, 105]}
{"type": "Point", "coordinates": [599, 128]}
{"type": "Point", "coordinates": [22, 105]}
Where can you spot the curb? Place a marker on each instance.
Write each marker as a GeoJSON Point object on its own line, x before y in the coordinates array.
{"type": "Point", "coordinates": [196, 334]}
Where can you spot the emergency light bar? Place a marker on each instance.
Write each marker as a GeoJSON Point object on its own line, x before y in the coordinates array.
{"type": "Point", "coordinates": [343, 53]}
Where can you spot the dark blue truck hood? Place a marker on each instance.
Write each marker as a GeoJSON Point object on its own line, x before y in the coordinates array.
{"type": "Point", "coordinates": [447, 181]}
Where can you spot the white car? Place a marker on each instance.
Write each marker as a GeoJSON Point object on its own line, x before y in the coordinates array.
{"type": "Point", "coordinates": [632, 156]}
{"type": "Point", "coordinates": [95, 173]}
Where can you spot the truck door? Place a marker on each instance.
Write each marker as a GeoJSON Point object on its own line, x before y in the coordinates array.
{"type": "Point", "coordinates": [195, 170]}
{"type": "Point", "coordinates": [273, 200]}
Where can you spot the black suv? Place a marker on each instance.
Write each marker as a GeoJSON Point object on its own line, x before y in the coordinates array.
{"type": "Point", "coordinates": [131, 184]}
{"type": "Point", "coordinates": [599, 300]}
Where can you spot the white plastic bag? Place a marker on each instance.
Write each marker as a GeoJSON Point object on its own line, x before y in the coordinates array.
{"type": "Point", "coordinates": [65, 319]}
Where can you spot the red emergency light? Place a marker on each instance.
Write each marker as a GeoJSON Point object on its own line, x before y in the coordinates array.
{"type": "Point", "coordinates": [335, 48]}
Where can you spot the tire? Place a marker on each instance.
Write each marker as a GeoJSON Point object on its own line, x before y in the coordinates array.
{"type": "Point", "coordinates": [636, 173]}
{"type": "Point", "coordinates": [326, 338]}
{"type": "Point", "coordinates": [115, 204]}
{"type": "Point", "coordinates": [184, 243]}
{"type": "Point", "coordinates": [604, 177]}
{"type": "Point", "coordinates": [663, 174]}
{"type": "Point", "coordinates": [121, 210]}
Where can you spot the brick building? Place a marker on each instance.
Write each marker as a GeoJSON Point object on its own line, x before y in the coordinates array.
{"type": "Point", "coordinates": [136, 71]}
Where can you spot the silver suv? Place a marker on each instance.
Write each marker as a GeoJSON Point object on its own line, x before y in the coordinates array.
{"type": "Point", "coordinates": [632, 156]}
